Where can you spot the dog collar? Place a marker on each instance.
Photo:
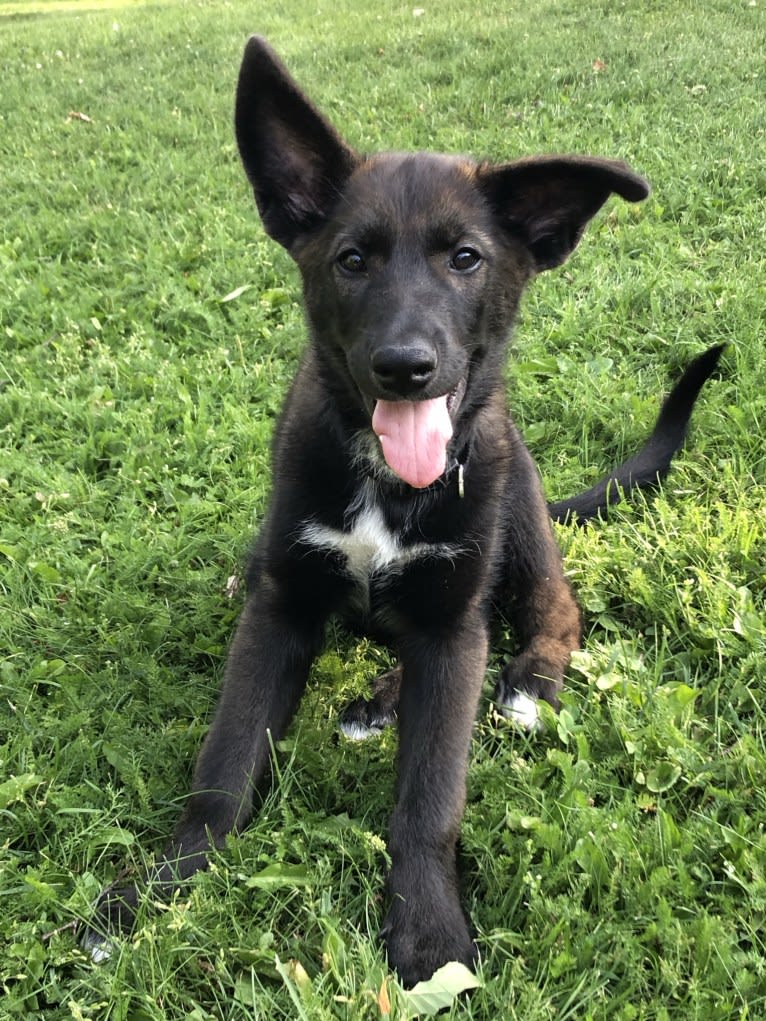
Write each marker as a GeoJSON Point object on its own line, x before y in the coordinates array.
{"type": "Point", "coordinates": [457, 468]}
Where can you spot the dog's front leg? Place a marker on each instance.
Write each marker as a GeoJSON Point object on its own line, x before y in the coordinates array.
{"type": "Point", "coordinates": [441, 682]}
{"type": "Point", "coordinates": [266, 673]}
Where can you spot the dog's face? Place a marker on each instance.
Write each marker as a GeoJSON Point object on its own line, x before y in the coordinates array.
{"type": "Point", "coordinates": [410, 290]}
{"type": "Point", "coordinates": [400, 273]}
{"type": "Point", "coordinates": [413, 264]}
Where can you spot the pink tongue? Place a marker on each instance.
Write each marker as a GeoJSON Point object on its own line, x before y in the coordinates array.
{"type": "Point", "coordinates": [414, 436]}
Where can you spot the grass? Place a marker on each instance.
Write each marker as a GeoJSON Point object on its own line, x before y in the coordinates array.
{"type": "Point", "coordinates": [615, 867]}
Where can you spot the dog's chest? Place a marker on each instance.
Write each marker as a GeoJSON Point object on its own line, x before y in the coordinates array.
{"type": "Point", "coordinates": [370, 549]}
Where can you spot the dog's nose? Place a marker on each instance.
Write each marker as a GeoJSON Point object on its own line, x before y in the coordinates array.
{"type": "Point", "coordinates": [404, 370]}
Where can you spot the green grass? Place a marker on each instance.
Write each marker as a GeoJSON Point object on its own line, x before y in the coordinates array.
{"type": "Point", "coordinates": [614, 868]}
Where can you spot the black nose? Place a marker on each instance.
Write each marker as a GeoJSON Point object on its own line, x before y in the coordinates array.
{"type": "Point", "coordinates": [403, 369]}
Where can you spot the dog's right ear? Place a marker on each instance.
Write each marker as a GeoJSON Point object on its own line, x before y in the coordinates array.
{"type": "Point", "coordinates": [294, 158]}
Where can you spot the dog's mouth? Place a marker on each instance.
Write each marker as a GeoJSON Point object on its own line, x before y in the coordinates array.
{"type": "Point", "coordinates": [414, 435]}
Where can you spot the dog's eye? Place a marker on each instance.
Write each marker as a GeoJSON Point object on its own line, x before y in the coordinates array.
{"type": "Point", "coordinates": [352, 261]}
{"type": "Point", "coordinates": [465, 259]}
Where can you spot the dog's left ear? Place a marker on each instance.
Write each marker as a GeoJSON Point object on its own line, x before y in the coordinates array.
{"type": "Point", "coordinates": [295, 160]}
{"type": "Point", "coordinates": [546, 201]}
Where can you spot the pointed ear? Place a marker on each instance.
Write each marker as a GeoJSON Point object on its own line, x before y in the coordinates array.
{"type": "Point", "coordinates": [296, 162]}
{"type": "Point", "coordinates": [546, 201]}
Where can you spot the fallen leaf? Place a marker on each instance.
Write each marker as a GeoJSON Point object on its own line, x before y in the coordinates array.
{"type": "Point", "coordinates": [439, 991]}
{"type": "Point", "coordinates": [75, 115]}
{"type": "Point", "coordinates": [598, 66]}
{"type": "Point", "coordinates": [236, 293]}
{"type": "Point", "coordinates": [383, 1001]}
{"type": "Point", "coordinates": [277, 875]}
{"type": "Point", "coordinates": [298, 974]}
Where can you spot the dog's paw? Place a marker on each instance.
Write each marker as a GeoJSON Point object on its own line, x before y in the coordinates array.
{"type": "Point", "coordinates": [364, 718]}
{"type": "Point", "coordinates": [114, 915]}
{"type": "Point", "coordinates": [522, 709]}
{"type": "Point", "coordinates": [418, 941]}
{"type": "Point", "coordinates": [99, 947]}
{"type": "Point", "coordinates": [367, 717]}
{"type": "Point", "coordinates": [523, 684]}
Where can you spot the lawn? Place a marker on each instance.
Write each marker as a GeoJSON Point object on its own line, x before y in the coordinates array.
{"type": "Point", "coordinates": [614, 866]}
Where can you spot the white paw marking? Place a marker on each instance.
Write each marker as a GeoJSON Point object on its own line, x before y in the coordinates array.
{"type": "Point", "coordinates": [101, 951]}
{"type": "Point", "coordinates": [523, 710]}
{"type": "Point", "coordinates": [355, 731]}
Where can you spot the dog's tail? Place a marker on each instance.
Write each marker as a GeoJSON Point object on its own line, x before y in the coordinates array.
{"type": "Point", "coordinates": [645, 469]}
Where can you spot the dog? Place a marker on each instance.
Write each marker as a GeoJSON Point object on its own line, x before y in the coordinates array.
{"type": "Point", "coordinates": [404, 497]}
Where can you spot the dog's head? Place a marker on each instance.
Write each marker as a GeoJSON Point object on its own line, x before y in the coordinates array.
{"type": "Point", "coordinates": [413, 264]}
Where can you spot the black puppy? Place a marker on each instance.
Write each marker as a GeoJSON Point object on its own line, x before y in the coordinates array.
{"type": "Point", "coordinates": [403, 497]}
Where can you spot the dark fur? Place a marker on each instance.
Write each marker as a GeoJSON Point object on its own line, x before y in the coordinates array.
{"type": "Point", "coordinates": [415, 322]}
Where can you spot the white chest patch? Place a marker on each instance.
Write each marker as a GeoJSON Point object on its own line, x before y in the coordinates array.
{"type": "Point", "coordinates": [369, 545]}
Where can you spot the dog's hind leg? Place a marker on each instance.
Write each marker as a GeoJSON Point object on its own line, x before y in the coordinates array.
{"type": "Point", "coordinates": [367, 717]}
{"type": "Point", "coordinates": [538, 601]}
